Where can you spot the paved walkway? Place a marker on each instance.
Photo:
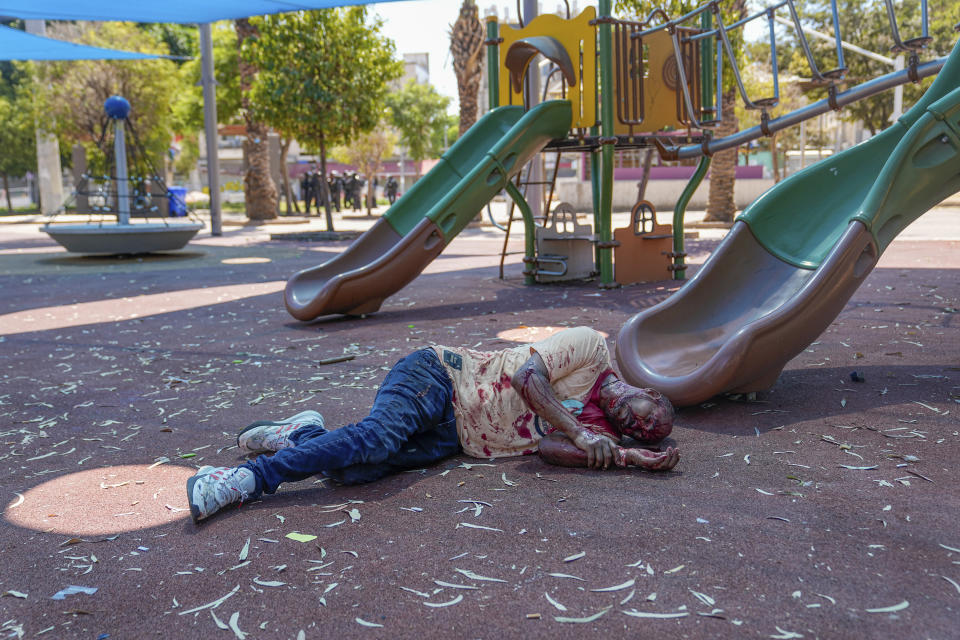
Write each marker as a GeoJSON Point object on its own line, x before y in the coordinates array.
{"type": "Point", "coordinates": [824, 509]}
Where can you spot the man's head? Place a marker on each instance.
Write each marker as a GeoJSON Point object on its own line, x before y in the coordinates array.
{"type": "Point", "coordinates": [643, 414]}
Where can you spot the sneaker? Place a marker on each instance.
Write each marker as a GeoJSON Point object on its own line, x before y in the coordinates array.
{"type": "Point", "coordinates": [213, 488]}
{"type": "Point", "coordinates": [268, 435]}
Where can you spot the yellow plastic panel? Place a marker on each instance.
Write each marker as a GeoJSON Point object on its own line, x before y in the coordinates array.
{"type": "Point", "coordinates": [660, 86]}
{"type": "Point", "coordinates": [578, 37]}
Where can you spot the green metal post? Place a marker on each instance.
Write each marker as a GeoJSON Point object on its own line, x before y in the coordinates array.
{"type": "Point", "coordinates": [606, 130]}
{"type": "Point", "coordinates": [529, 233]}
{"type": "Point", "coordinates": [595, 189]}
{"type": "Point", "coordinates": [493, 62]}
{"type": "Point", "coordinates": [679, 268]}
{"type": "Point", "coordinates": [706, 69]}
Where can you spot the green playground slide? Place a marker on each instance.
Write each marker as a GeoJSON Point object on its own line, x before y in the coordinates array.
{"type": "Point", "coordinates": [886, 182]}
{"type": "Point", "coordinates": [421, 223]}
{"type": "Point", "coordinates": [795, 257]}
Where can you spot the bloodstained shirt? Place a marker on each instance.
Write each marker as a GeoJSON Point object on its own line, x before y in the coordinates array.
{"type": "Point", "coordinates": [590, 414]}
{"type": "Point", "coordinates": [493, 420]}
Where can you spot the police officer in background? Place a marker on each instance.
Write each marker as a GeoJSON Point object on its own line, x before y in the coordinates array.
{"type": "Point", "coordinates": [358, 195]}
{"type": "Point", "coordinates": [391, 189]}
{"type": "Point", "coordinates": [355, 186]}
{"type": "Point", "coordinates": [335, 183]}
{"type": "Point", "coordinates": [316, 187]}
{"type": "Point", "coordinates": [306, 190]}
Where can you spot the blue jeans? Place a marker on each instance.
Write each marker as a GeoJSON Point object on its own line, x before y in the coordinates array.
{"type": "Point", "coordinates": [410, 425]}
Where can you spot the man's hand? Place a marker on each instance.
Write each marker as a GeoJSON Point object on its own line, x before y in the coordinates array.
{"type": "Point", "coordinates": [601, 451]}
{"type": "Point", "coordinates": [652, 460]}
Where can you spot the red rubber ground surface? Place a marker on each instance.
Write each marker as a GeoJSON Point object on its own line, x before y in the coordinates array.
{"type": "Point", "coordinates": [110, 366]}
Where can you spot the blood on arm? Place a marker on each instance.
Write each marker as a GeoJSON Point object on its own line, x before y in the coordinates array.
{"type": "Point", "coordinates": [557, 449]}
{"type": "Point", "coordinates": [532, 382]}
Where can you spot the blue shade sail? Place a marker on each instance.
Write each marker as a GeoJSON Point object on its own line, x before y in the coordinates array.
{"type": "Point", "coordinates": [182, 11]}
{"type": "Point", "coordinates": [18, 45]}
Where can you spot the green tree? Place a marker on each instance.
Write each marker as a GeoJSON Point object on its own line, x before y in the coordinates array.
{"type": "Point", "coordinates": [366, 152]}
{"type": "Point", "coordinates": [188, 103]}
{"type": "Point", "coordinates": [720, 203]}
{"type": "Point", "coordinates": [70, 94]}
{"type": "Point", "coordinates": [12, 73]}
{"type": "Point", "coordinates": [759, 83]}
{"type": "Point", "coordinates": [181, 40]}
{"type": "Point", "coordinates": [17, 138]}
{"type": "Point", "coordinates": [419, 112]}
{"type": "Point", "coordinates": [323, 76]}
{"type": "Point", "coordinates": [866, 25]}
{"type": "Point", "coordinates": [446, 133]}
{"type": "Point", "coordinates": [188, 107]}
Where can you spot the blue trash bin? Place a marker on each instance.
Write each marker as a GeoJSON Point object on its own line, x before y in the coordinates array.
{"type": "Point", "coordinates": [177, 199]}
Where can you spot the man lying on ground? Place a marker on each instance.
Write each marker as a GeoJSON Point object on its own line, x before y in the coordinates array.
{"type": "Point", "coordinates": [558, 396]}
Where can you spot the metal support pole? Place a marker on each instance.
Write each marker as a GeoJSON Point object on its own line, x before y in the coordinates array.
{"type": "Point", "coordinates": [493, 62]}
{"type": "Point", "coordinates": [529, 234]}
{"type": "Point", "coordinates": [123, 177]}
{"type": "Point", "coordinates": [707, 112]}
{"type": "Point", "coordinates": [534, 190]}
{"type": "Point", "coordinates": [606, 129]}
{"type": "Point", "coordinates": [679, 211]}
{"type": "Point", "coordinates": [209, 84]}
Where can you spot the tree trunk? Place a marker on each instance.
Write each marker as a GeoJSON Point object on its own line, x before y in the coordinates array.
{"type": "Point", "coordinates": [284, 149]}
{"type": "Point", "coordinates": [720, 205]}
{"type": "Point", "coordinates": [466, 45]}
{"type": "Point", "coordinates": [260, 193]}
{"type": "Point", "coordinates": [324, 187]}
{"type": "Point", "coordinates": [371, 194]}
{"type": "Point", "coordinates": [468, 103]}
{"type": "Point", "coordinates": [6, 190]}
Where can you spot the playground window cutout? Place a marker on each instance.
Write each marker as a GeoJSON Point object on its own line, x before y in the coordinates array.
{"type": "Point", "coordinates": [523, 333]}
{"type": "Point", "coordinates": [104, 501]}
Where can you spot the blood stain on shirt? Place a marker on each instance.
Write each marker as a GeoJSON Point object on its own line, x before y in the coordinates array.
{"type": "Point", "coordinates": [521, 426]}
{"type": "Point", "coordinates": [502, 383]}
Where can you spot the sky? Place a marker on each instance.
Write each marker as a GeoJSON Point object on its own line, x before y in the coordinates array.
{"type": "Point", "coordinates": [418, 26]}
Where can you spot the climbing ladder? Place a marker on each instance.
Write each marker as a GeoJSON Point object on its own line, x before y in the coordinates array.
{"type": "Point", "coordinates": [523, 182]}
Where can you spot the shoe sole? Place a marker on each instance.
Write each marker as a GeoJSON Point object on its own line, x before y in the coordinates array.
{"type": "Point", "coordinates": [256, 425]}
{"type": "Point", "coordinates": [271, 423]}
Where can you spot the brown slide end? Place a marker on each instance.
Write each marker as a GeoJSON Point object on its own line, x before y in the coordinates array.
{"type": "Point", "coordinates": [377, 264]}
{"type": "Point", "coordinates": [738, 322]}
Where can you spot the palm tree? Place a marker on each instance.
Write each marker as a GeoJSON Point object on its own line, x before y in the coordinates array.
{"type": "Point", "coordinates": [466, 43]}
{"type": "Point", "coordinates": [720, 203]}
{"type": "Point", "coordinates": [260, 193]}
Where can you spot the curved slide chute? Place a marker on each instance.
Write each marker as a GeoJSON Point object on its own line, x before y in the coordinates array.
{"type": "Point", "coordinates": [795, 257]}
{"type": "Point", "coordinates": [420, 224]}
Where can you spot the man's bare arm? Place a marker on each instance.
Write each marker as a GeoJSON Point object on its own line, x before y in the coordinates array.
{"type": "Point", "coordinates": [557, 449]}
{"type": "Point", "coordinates": [532, 382]}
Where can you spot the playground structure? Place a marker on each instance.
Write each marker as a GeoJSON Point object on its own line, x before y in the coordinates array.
{"type": "Point", "coordinates": [489, 157]}
{"type": "Point", "coordinates": [791, 261]}
{"type": "Point", "coordinates": [113, 202]}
